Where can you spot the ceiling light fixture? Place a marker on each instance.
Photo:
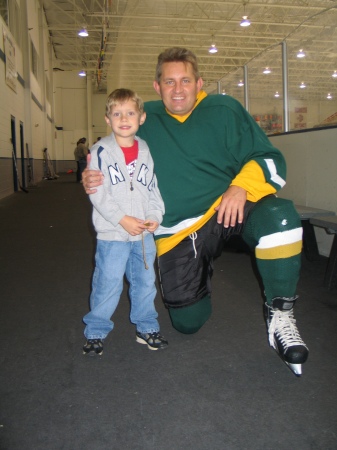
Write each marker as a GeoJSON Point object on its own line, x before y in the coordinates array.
{"type": "Point", "coordinates": [267, 70]}
{"type": "Point", "coordinates": [334, 74]}
{"type": "Point", "coordinates": [83, 32]}
{"type": "Point", "coordinates": [213, 48]}
{"type": "Point", "coordinates": [302, 85]}
{"type": "Point", "coordinates": [276, 94]}
{"type": "Point", "coordinates": [241, 83]}
{"type": "Point", "coordinates": [329, 96]}
{"type": "Point", "coordinates": [223, 92]}
{"type": "Point", "coordinates": [82, 73]}
{"type": "Point", "coordinates": [301, 53]}
{"type": "Point", "coordinates": [245, 22]}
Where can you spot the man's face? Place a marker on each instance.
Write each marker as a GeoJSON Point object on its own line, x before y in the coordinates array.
{"type": "Point", "coordinates": [178, 87]}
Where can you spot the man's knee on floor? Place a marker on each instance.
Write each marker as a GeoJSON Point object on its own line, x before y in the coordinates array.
{"type": "Point", "coordinates": [190, 319]}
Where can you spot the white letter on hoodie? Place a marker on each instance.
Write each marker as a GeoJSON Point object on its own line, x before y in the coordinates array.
{"type": "Point", "coordinates": [115, 174]}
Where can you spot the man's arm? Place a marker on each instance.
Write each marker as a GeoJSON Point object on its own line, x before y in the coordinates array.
{"type": "Point", "coordinates": [91, 178]}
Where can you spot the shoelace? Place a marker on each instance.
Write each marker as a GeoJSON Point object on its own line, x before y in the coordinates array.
{"type": "Point", "coordinates": [95, 342]}
{"type": "Point", "coordinates": [155, 337]}
{"type": "Point", "coordinates": [284, 325]}
{"type": "Point", "coordinates": [194, 236]}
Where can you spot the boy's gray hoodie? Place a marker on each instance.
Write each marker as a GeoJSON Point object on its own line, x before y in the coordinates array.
{"type": "Point", "coordinates": [120, 195]}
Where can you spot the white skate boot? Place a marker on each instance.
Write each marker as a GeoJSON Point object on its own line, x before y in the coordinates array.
{"type": "Point", "coordinates": [284, 335]}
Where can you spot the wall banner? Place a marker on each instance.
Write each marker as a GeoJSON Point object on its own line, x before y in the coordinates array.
{"type": "Point", "coordinates": [10, 66]}
{"type": "Point", "coordinates": [301, 118]}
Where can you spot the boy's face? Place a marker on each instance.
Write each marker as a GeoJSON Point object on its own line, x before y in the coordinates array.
{"type": "Point", "coordinates": [124, 119]}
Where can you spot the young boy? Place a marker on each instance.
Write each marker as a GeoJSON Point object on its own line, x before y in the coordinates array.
{"type": "Point", "coordinates": [127, 209]}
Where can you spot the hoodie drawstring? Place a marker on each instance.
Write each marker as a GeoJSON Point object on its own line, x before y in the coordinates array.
{"type": "Point", "coordinates": [144, 256]}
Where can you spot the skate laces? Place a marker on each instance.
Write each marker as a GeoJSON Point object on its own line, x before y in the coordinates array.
{"type": "Point", "coordinates": [283, 324]}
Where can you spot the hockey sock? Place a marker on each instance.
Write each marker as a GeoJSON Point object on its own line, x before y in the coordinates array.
{"type": "Point", "coordinates": [275, 228]}
{"type": "Point", "coordinates": [190, 319]}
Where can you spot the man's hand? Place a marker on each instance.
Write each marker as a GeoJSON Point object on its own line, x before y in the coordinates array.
{"type": "Point", "coordinates": [91, 178]}
{"type": "Point", "coordinates": [133, 225]}
{"type": "Point", "coordinates": [231, 208]}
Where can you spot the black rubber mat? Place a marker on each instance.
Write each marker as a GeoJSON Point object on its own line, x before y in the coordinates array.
{"type": "Point", "coordinates": [221, 388]}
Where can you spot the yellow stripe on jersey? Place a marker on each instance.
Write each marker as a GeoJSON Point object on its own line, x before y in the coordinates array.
{"type": "Point", "coordinates": [166, 244]}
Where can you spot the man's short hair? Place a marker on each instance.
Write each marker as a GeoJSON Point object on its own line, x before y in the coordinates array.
{"type": "Point", "coordinates": [177, 54]}
{"type": "Point", "coordinates": [122, 95]}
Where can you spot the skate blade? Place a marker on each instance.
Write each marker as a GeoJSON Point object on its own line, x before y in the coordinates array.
{"type": "Point", "coordinates": [295, 368]}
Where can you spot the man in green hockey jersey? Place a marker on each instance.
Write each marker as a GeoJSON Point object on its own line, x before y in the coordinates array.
{"type": "Point", "coordinates": [218, 174]}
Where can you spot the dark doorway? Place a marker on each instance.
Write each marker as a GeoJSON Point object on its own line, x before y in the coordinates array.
{"type": "Point", "coordinates": [22, 151]}
{"type": "Point", "coordinates": [13, 139]}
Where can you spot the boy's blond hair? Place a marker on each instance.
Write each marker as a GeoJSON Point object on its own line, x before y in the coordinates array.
{"type": "Point", "coordinates": [122, 95]}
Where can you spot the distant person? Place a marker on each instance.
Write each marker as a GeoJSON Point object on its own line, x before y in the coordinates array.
{"type": "Point", "coordinates": [127, 209]}
{"type": "Point", "coordinates": [81, 151]}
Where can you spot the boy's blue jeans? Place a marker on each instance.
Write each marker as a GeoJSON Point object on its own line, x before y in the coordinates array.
{"type": "Point", "coordinates": [113, 260]}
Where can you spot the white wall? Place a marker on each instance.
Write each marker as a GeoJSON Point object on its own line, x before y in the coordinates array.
{"type": "Point", "coordinates": [27, 103]}
{"type": "Point", "coordinates": [71, 114]}
{"type": "Point", "coordinates": [70, 105]}
{"type": "Point", "coordinates": [311, 175]}
{"type": "Point", "coordinates": [98, 111]}
{"type": "Point", "coordinates": [10, 105]}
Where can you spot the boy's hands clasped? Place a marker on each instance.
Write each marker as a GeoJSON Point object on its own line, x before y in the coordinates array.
{"type": "Point", "coordinates": [136, 226]}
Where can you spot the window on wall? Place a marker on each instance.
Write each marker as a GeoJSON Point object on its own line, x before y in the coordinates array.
{"type": "Point", "coordinates": [34, 59]}
{"type": "Point", "coordinates": [4, 10]}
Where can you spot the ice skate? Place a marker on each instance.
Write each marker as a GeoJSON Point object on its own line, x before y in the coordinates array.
{"type": "Point", "coordinates": [284, 335]}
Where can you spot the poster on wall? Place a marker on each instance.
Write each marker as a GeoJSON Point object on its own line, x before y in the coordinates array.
{"type": "Point", "coordinates": [331, 120]}
{"type": "Point", "coordinates": [301, 118]}
{"type": "Point", "coordinates": [10, 66]}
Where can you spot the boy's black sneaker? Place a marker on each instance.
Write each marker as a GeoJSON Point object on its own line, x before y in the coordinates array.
{"type": "Point", "coordinates": [154, 341]}
{"type": "Point", "coordinates": [93, 347]}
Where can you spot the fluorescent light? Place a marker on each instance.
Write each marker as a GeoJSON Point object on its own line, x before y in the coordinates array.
{"type": "Point", "coordinates": [267, 70]}
{"type": "Point", "coordinates": [82, 73]}
{"type": "Point", "coordinates": [301, 53]}
{"type": "Point", "coordinates": [83, 33]}
{"type": "Point", "coordinates": [213, 49]}
{"type": "Point", "coordinates": [245, 22]}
